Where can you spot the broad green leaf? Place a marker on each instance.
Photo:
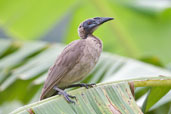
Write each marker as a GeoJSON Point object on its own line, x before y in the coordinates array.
{"type": "Point", "coordinates": [156, 93]}
{"type": "Point", "coordinates": [113, 98]}
{"type": "Point", "coordinates": [140, 91]}
{"type": "Point", "coordinates": [164, 100]}
{"type": "Point", "coordinates": [37, 65]}
{"type": "Point", "coordinates": [17, 58]}
{"type": "Point", "coordinates": [26, 50]}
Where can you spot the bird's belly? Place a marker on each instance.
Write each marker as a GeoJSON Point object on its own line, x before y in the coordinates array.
{"type": "Point", "coordinates": [82, 68]}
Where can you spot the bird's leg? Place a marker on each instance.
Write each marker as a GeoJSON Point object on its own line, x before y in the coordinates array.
{"type": "Point", "coordinates": [82, 85]}
{"type": "Point", "coordinates": [66, 96]}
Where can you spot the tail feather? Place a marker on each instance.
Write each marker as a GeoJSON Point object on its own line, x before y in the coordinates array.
{"type": "Point", "coordinates": [45, 94]}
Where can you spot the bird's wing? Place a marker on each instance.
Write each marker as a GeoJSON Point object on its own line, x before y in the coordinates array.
{"type": "Point", "coordinates": [66, 61]}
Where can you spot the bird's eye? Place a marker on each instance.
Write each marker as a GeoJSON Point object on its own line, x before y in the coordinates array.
{"type": "Point", "coordinates": [89, 23]}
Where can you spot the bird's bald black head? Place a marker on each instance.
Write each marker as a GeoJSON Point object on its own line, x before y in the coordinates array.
{"type": "Point", "coordinates": [87, 27]}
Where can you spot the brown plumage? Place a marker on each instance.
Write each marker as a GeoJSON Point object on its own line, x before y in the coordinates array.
{"type": "Point", "coordinates": [76, 60]}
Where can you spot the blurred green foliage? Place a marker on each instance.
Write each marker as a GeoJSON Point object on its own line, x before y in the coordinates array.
{"type": "Point", "coordinates": [138, 30]}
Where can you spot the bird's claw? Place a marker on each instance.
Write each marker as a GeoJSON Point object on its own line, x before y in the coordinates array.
{"type": "Point", "coordinates": [67, 96]}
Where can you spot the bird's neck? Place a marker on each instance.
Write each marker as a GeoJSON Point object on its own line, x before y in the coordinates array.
{"type": "Point", "coordinates": [91, 36]}
{"type": "Point", "coordinates": [84, 34]}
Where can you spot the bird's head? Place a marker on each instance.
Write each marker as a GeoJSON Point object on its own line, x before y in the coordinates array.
{"type": "Point", "coordinates": [88, 26]}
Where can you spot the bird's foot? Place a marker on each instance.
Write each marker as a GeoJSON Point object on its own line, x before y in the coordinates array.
{"type": "Point", "coordinates": [82, 85]}
{"type": "Point", "coordinates": [66, 96]}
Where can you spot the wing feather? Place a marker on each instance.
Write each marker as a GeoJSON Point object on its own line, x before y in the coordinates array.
{"type": "Point", "coordinates": [69, 57]}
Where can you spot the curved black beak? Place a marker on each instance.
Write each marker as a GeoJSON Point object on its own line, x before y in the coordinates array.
{"type": "Point", "coordinates": [101, 20]}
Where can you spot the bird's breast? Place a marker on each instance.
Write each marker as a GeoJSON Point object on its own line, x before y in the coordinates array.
{"type": "Point", "coordinates": [89, 58]}
{"type": "Point", "coordinates": [91, 52]}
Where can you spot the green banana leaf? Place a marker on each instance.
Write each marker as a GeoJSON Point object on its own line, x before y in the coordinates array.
{"type": "Point", "coordinates": [108, 98]}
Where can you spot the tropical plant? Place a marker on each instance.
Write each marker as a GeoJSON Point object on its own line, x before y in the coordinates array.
{"type": "Point", "coordinates": [24, 65]}
{"type": "Point", "coordinates": [109, 98]}
{"type": "Point", "coordinates": [141, 30]}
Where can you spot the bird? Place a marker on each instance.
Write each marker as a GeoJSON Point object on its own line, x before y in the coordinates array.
{"type": "Point", "coordinates": [76, 61]}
